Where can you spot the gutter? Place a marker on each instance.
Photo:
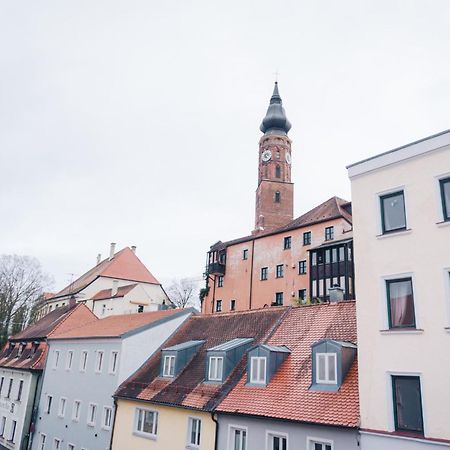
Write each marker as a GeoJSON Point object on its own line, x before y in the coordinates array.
{"type": "Point", "coordinates": [251, 276]}
{"type": "Point", "coordinates": [114, 424]}
{"type": "Point", "coordinates": [216, 437]}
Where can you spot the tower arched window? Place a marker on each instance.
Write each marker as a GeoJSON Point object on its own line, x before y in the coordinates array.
{"type": "Point", "coordinates": [278, 171]}
{"type": "Point", "coordinates": [277, 197]}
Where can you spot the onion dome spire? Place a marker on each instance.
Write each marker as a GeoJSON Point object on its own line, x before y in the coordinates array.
{"type": "Point", "coordinates": [275, 121]}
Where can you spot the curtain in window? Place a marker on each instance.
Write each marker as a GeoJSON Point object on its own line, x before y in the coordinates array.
{"type": "Point", "coordinates": [401, 303]}
{"type": "Point", "coordinates": [394, 212]}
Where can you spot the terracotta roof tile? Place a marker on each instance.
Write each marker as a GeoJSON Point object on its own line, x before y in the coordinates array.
{"type": "Point", "coordinates": [124, 265]}
{"type": "Point", "coordinates": [288, 396]}
{"type": "Point", "coordinates": [107, 293]}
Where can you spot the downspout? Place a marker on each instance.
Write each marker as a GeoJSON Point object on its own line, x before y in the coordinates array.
{"type": "Point", "coordinates": [34, 414]}
{"type": "Point", "coordinates": [113, 425]}
{"type": "Point", "coordinates": [216, 437]}
{"type": "Point", "coordinates": [214, 294]}
{"type": "Point", "coordinates": [251, 276]}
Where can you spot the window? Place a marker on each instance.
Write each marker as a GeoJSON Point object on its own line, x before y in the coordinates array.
{"type": "Point", "coordinates": [445, 197]}
{"type": "Point", "coordinates": [218, 305]}
{"type": "Point", "coordinates": [245, 253]}
{"type": "Point", "coordinates": [56, 444]}
{"type": "Point", "coordinates": [277, 198]}
{"type": "Point", "coordinates": [280, 271]}
{"type": "Point", "coordinates": [56, 359]}
{"type": "Point", "coordinates": [287, 242]}
{"type": "Point", "coordinates": [107, 417]}
{"type": "Point", "coordinates": [329, 233]}
{"type": "Point", "coordinates": [113, 360]}
{"type": "Point", "coordinates": [42, 441]}
{"type": "Point", "coordinates": [232, 305]}
{"type": "Point", "coordinates": [393, 215]}
{"type": "Point", "coordinates": [238, 439]}
{"type": "Point", "coordinates": [302, 294]}
{"type": "Point", "coordinates": [146, 422]}
{"type": "Point", "coordinates": [69, 360]}
{"type": "Point", "coordinates": [258, 370]}
{"type": "Point", "coordinates": [48, 407]}
{"type": "Point", "coordinates": [76, 410]}
{"type": "Point", "coordinates": [307, 238]}
{"type": "Point", "coordinates": [19, 392]}
{"type": "Point", "coordinates": [194, 428]}
{"type": "Point", "coordinates": [62, 407]}
{"type": "Point", "coordinates": [277, 172]}
{"type": "Point", "coordinates": [11, 381]}
{"type": "Point", "coordinates": [318, 445]}
{"type": "Point", "coordinates": [20, 350]}
{"type": "Point", "coordinates": [140, 309]}
{"type": "Point", "coordinates": [98, 361]}
{"type": "Point", "coordinates": [220, 281]}
{"type": "Point", "coordinates": [400, 303]}
{"type": "Point", "coordinates": [83, 361]}
{"type": "Point", "coordinates": [2, 380]}
{"type": "Point", "coordinates": [169, 366]}
{"type": "Point", "coordinates": [215, 368]}
{"type": "Point", "coordinates": [326, 370]}
{"type": "Point", "coordinates": [407, 404]}
{"type": "Point", "coordinates": [301, 267]}
{"type": "Point", "coordinates": [264, 273]}
{"type": "Point", "coordinates": [276, 442]}
{"type": "Point", "coordinates": [278, 298]}
{"type": "Point", "coordinates": [92, 413]}
{"type": "Point", "coordinates": [70, 447]}
{"type": "Point", "coordinates": [2, 426]}
{"type": "Point", "coordinates": [12, 433]}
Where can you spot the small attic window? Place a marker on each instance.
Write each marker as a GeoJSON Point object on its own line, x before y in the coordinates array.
{"type": "Point", "coordinates": [258, 370]}
{"type": "Point", "coordinates": [20, 351]}
{"type": "Point", "coordinates": [215, 368]}
{"type": "Point", "coordinates": [169, 366]}
{"type": "Point", "coordinates": [326, 368]}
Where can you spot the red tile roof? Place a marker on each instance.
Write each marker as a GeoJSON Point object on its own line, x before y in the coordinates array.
{"type": "Point", "coordinates": [124, 265]}
{"type": "Point", "coordinates": [116, 326]}
{"type": "Point", "coordinates": [107, 293]}
{"type": "Point", "coordinates": [287, 396]}
{"type": "Point", "coordinates": [188, 389]}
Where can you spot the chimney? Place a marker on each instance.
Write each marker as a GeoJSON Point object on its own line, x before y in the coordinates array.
{"type": "Point", "coordinates": [336, 294]}
{"type": "Point", "coordinates": [99, 258]}
{"type": "Point", "coordinates": [112, 250]}
{"type": "Point", "coordinates": [72, 301]}
{"type": "Point", "coordinates": [133, 248]}
{"type": "Point", "coordinates": [114, 287]}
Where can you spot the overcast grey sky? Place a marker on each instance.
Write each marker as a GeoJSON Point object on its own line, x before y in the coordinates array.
{"type": "Point", "coordinates": [138, 121]}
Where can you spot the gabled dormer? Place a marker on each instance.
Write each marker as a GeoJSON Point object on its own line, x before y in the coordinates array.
{"type": "Point", "coordinates": [223, 358]}
{"type": "Point", "coordinates": [331, 361]}
{"type": "Point", "coordinates": [174, 359]}
{"type": "Point", "coordinates": [263, 362]}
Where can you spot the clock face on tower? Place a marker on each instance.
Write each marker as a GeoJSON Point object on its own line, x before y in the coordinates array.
{"type": "Point", "coordinates": [288, 157]}
{"type": "Point", "coordinates": [266, 155]}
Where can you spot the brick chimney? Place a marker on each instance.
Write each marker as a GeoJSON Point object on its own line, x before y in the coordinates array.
{"type": "Point", "coordinates": [133, 248]}
{"type": "Point", "coordinates": [99, 258]}
{"type": "Point", "coordinates": [112, 250]}
{"type": "Point", "coordinates": [336, 294]}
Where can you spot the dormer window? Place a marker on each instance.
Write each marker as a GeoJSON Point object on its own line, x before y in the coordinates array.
{"type": "Point", "coordinates": [215, 368]}
{"type": "Point", "coordinates": [169, 366]}
{"type": "Point", "coordinates": [326, 368]}
{"type": "Point", "coordinates": [258, 370]}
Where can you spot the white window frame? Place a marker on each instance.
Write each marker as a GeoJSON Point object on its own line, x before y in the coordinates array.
{"type": "Point", "coordinates": [258, 360]}
{"type": "Point", "coordinates": [145, 434]}
{"type": "Point", "coordinates": [84, 360]}
{"type": "Point", "coordinates": [70, 446]}
{"type": "Point", "coordinates": [99, 360]}
{"type": "Point", "coordinates": [62, 406]}
{"type": "Point", "coordinates": [42, 441]}
{"type": "Point", "coordinates": [106, 426]}
{"type": "Point", "coordinates": [231, 429]}
{"type": "Point", "coordinates": [69, 360]}
{"type": "Point", "coordinates": [92, 406]}
{"type": "Point", "coordinates": [48, 404]}
{"type": "Point", "coordinates": [215, 376]}
{"type": "Point", "coordinates": [378, 195]}
{"type": "Point", "coordinates": [311, 440]}
{"type": "Point", "coordinates": [326, 380]}
{"type": "Point", "coordinates": [56, 447]}
{"type": "Point", "coordinates": [113, 365]}
{"type": "Point", "coordinates": [3, 425]}
{"type": "Point", "coordinates": [169, 366]}
{"type": "Point", "coordinates": [198, 433]}
{"type": "Point", "coordinates": [439, 210]}
{"type": "Point", "coordinates": [20, 390]}
{"type": "Point", "coordinates": [271, 434]}
{"type": "Point", "coordinates": [13, 431]}
{"type": "Point", "coordinates": [56, 357]}
{"type": "Point", "coordinates": [76, 417]}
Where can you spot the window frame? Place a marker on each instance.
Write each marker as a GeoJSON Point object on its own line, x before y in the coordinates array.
{"type": "Point", "coordinates": [76, 417]}
{"type": "Point", "coordinates": [20, 391]}
{"type": "Point", "coordinates": [84, 356]}
{"type": "Point", "coordinates": [106, 426]}
{"type": "Point", "coordinates": [198, 432]}
{"type": "Point", "coordinates": [388, 282]}
{"type": "Point", "coordinates": [258, 360]}
{"type": "Point", "coordinates": [99, 360]}
{"type": "Point", "coordinates": [62, 406]}
{"type": "Point", "coordinates": [48, 404]}
{"type": "Point", "coordinates": [302, 267]}
{"type": "Point", "coordinates": [444, 206]}
{"type": "Point", "coordinates": [113, 362]}
{"type": "Point", "coordinates": [220, 279]}
{"type": "Point", "coordinates": [385, 196]}
{"type": "Point", "coordinates": [311, 441]}
{"type": "Point", "coordinates": [56, 447]}
{"type": "Point", "coordinates": [307, 237]}
{"type": "Point", "coordinates": [170, 373]}
{"type": "Point", "coordinates": [12, 431]}
{"type": "Point", "coordinates": [42, 441]}
{"type": "Point", "coordinates": [233, 304]}
{"type": "Point", "coordinates": [277, 197]}
{"type": "Point", "coordinates": [69, 360]}
{"type": "Point", "coordinates": [56, 357]}
{"type": "Point", "coordinates": [271, 434]}
{"type": "Point", "coordinates": [212, 376]}
{"type": "Point", "coordinates": [329, 233]}
{"type": "Point", "coordinates": [287, 243]}
{"type": "Point", "coordinates": [279, 295]}
{"type": "Point", "coordinates": [264, 274]}
{"type": "Point", "coordinates": [3, 426]}
{"type": "Point", "coordinates": [92, 407]}
{"type": "Point", "coordinates": [219, 305]}
{"type": "Point", "coordinates": [279, 271]}
{"type": "Point", "coordinates": [10, 386]}
{"type": "Point", "coordinates": [245, 254]}
{"type": "Point", "coordinates": [232, 428]}
{"type": "Point", "coordinates": [326, 380]}
{"type": "Point", "coordinates": [154, 433]}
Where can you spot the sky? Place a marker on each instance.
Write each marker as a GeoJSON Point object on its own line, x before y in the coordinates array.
{"type": "Point", "coordinates": [137, 121]}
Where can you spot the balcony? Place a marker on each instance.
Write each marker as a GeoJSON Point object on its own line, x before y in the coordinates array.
{"type": "Point", "coordinates": [216, 268]}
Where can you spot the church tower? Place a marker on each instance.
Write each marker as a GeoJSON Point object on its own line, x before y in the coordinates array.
{"type": "Point", "coordinates": [275, 192]}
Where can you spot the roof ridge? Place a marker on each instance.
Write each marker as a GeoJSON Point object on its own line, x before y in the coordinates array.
{"type": "Point", "coordinates": [69, 313]}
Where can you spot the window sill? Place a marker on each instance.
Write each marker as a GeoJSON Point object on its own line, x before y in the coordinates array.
{"type": "Point", "coordinates": [90, 424]}
{"type": "Point", "coordinates": [444, 223]}
{"type": "Point", "coordinates": [402, 331]}
{"type": "Point", "coordinates": [152, 437]}
{"type": "Point", "coordinates": [394, 233]}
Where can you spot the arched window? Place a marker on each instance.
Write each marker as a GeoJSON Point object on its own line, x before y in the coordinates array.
{"type": "Point", "coordinates": [277, 197]}
{"type": "Point", "coordinates": [278, 172]}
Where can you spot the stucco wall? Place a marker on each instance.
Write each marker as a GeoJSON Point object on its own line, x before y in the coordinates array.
{"type": "Point", "coordinates": [297, 434]}
{"type": "Point", "coordinates": [172, 428]}
{"type": "Point", "coordinates": [423, 253]}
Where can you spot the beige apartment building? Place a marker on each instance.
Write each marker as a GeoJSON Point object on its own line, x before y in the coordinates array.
{"type": "Point", "coordinates": [401, 213]}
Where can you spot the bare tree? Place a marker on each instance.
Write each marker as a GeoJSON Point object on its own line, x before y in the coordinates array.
{"type": "Point", "coordinates": [21, 284]}
{"type": "Point", "coordinates": [183, 292]}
